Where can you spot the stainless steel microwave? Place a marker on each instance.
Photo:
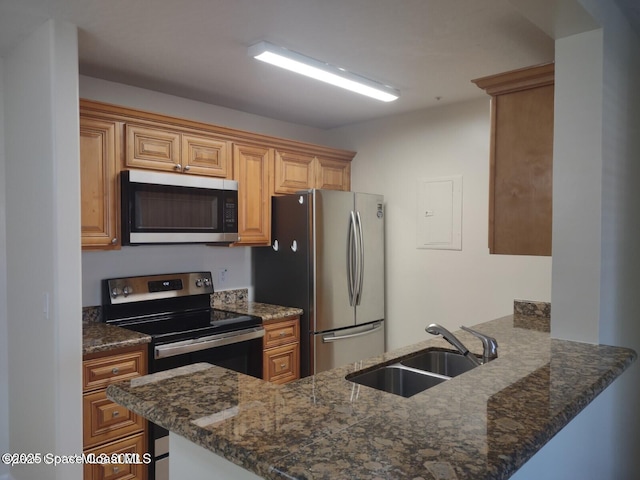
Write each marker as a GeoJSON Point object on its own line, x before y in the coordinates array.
{"type": "Point", "coordinates": [164, 208]}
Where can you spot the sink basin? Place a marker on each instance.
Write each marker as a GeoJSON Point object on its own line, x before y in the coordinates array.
{"type": "Point", "coordinates": [397, 379]}
{"type": "Point", "coordinates": [441, 362]}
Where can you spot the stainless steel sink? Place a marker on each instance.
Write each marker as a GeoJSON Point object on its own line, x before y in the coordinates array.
{"type": "Point", "coordinates": [397, 379]}
{"type": "Point", "coordinates": [450, 364]}
{"type": "Point", "coordinates": [416, 373]}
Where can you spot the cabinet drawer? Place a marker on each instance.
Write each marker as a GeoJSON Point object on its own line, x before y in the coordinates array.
{"type": "Point", "coordinates": [281, 333]}
{"type": "Point", "coordinates": [100, 372]}
{"type": "Point", "coordinates": [110, 471]}
{"type": "Point", "coordinates": [281, 364]}
{"type": "Point", "coordinates": [104, 420]}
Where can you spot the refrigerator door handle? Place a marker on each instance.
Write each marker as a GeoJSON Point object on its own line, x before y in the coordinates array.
{"type": "Point", "coordinates": [351, 258]}
{"type": "Point", "coordinates": [360, 260]}
{"type": "Point", "coordinates": [334, 338]}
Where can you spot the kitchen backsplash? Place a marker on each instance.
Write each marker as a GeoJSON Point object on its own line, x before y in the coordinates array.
{"type": "Point", "coordinates": [91, 314]}
{"type": "Point", "coordinates": [532, 315]}
{"type": "Point", "coordinates": [230, 296]}
{"type": "Point", "coordinates": [94, 314]}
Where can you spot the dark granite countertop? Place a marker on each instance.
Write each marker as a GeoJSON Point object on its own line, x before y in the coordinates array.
{"type": "Point", "coordinates": [484, 424]}
{"type": "Point", "coordinates": [100, 337]}
{"type": "Point", "coordinates": [266, 311]}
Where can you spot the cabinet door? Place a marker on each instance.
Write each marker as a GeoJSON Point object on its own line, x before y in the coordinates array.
{"type": "Point", "coordinates": [521, 160]}
{"type": "Point", "coordinates": [293, 172]}
{"type": "Point", "coordinates": [203, 155]}
{"type": "Point", "coordinates": [251, 167]}
{"type": "Point", "coordinates": [99, 154]}
{"type": "Point", "coordinates": [521, 173]}
{"type": "Point", "coordinates": [153, 148]}
{"type": "Point", "coordinates": [333, 175]}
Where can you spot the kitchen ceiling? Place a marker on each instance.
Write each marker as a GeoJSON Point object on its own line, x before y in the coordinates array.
{"type": "Point", "coordinates": [428, 49]}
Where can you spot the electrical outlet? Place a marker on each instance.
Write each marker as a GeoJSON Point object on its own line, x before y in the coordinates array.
{"type": "Point", "coordinates": [222, 276]}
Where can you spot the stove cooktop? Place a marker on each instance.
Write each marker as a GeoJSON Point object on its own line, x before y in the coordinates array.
{"type": "Point", "coordinates": [184, 325]}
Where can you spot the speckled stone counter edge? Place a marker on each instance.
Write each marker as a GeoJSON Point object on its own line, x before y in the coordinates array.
{"type": "Point", "coordinates": [532, 315]}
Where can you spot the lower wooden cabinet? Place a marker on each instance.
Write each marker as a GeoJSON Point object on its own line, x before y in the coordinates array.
{"type": "Point", "coordinates": [107, 427]}
{"type": "Point", "coordinates": [130, 447]}
{"type": "Point", "coordinates": [281, 355]}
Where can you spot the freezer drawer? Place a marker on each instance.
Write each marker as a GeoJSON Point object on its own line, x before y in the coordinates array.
{"type": "Point", "coordinates": [340, 347]}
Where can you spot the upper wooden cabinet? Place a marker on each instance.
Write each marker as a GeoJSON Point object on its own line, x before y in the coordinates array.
{"type": "Point", "coordinates": [333, 175]}
{"type": "Point", "coordinates": [114, 138]}
{"type": "Point", "coordinates": [298, 171]}
{"type": "Point", "coordinates": [251, 167]}
{"type": "Point", "coordinates": [100, 142]}
{"type": "Point", "coordinates": [163, 149]}
{"type": "Point", "coordinates": [293, 172]}
{"type": "Point", "coordinates": [521, 160]}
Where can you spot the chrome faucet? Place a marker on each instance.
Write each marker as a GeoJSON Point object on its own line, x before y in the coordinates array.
{"type": "Point", "coordinates": [489, 344]}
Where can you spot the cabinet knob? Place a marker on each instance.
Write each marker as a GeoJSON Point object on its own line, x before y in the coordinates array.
{"type": "Point", "coordinates": [115, 370]}
{"type": "Point", "coordinates": [116, 469]}
{"type": "Point", "coordinates": [114, 241]}
{"type": "Point", "coordinates": [115, 413]}
{"type": "Point", "coordinates": [282, 365]}
{"type": "Point", "coordinates": [187, 168]}
{"type": "Point", "coordinates": [177, 166]}
{"type": "Point", "coordinates": [283, 333]}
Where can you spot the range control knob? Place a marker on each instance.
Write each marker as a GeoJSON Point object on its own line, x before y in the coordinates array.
{"type": "Point", "coordinates": [199, 283]}
{"type": "Point", "coordinates": [114, 292]}
{"type": "Point", "coordinates": [126, 291]}
{"type": "Point", "coordinates": [207, 282]}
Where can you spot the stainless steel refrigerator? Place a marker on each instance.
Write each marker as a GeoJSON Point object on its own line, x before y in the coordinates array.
{"type": "Point", "coordinates": [327, 258]}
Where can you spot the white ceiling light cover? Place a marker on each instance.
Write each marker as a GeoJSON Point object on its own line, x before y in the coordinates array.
{"type": "Point", "coordinates": [310, 67]}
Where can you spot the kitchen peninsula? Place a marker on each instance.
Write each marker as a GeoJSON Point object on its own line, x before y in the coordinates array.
{"type": "Point", "coordinates": [484, 424]}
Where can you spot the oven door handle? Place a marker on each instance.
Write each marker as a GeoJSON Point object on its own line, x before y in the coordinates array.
{"type": "Point", "coordinates": [204, 343]}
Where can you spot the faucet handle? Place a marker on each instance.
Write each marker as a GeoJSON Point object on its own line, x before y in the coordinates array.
{"type": "Point", "coordinates": [489, 344]}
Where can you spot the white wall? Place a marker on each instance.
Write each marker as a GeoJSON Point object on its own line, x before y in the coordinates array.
{"type": "Point", "coordinates": [595, 237]}
{"type": "Point", "coordinates": [143, 260]}
{"type": "Point", "coordinates": [425, 286]}
{"type": "Point", "coordinates": [4, 358]}
{"type": "Point", "coordinates": [134, 97]}
{"type": "Point", "coordinates": [43, 249]}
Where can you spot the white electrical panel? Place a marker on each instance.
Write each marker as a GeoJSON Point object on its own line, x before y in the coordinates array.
{"type": "Point", "coordinates": [439, 213]}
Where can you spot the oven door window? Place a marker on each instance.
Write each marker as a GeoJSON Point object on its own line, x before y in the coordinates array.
{"type": "Point", "coordinates": [161, 208]}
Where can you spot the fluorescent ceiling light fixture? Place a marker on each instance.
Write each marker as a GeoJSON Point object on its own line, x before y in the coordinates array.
{"type": "Point", "coordinates": [310, 67]}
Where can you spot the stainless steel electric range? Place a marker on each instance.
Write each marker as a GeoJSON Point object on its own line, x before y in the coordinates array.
{"type": "Point", "coordinates": [175, 310]}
